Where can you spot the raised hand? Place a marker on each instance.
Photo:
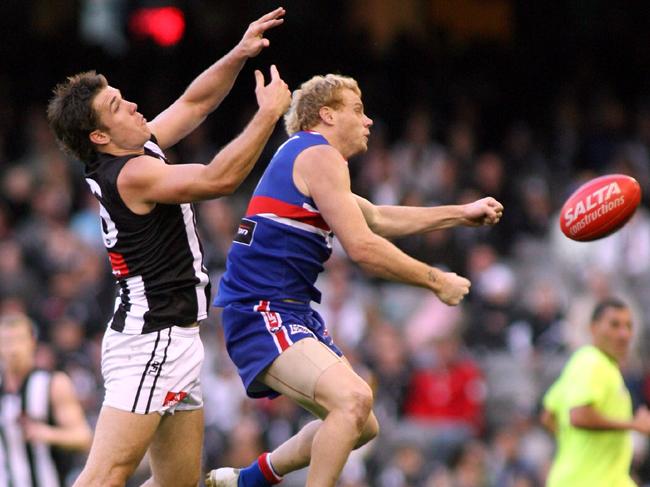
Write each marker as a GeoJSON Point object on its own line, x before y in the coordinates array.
{"type": "Point", "coordinates": [486, 211]}
{"type": "Point", "coordinates": [253, 40]}
{"type": "Point", "coordinates": [274, 97]}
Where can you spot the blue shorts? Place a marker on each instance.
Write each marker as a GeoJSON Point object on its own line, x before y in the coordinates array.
{"type": "Point", "coordinates": [256, 334]}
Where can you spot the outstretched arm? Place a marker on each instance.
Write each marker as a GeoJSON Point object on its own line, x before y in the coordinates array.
{"type": "Point", "coordinates": [399, 221]}
{"type": "Point", "coordinates": [324, 173]}
{"type": "Point", "coordinates": [71, 430]}
{"type": "Point", "coordinates": [209, 89]}
{"type": "Point", "coordinates": [145, 180]}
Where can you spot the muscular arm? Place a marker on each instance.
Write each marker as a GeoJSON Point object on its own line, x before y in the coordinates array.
{"type": "Point", "coordinates": [71, 431]}
{"type": "Point", "coordinates": [145, 180]}
{"type": "Point", "coordinates": [324, 173]}
{"type": "Point", "coordinates": [398, 221]}
{"type": "Point", "coordinates": [209, 89]}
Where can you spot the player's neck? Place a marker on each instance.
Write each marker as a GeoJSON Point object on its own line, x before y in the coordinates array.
{"type": "Point", "coordinates": [115, 150]}
{"type": "Point", "coordinates": [13, 378]}
{"type": "Point", "coordinates": [334, 140]}
{"type": "Point", "coordinates": [609, 355]}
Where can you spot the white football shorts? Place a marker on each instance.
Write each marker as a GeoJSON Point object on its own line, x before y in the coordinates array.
{"type": "Point", "coordinates": [153, 372]}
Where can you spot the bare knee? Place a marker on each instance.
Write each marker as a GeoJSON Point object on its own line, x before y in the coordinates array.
{"type": "Point", "coordinates": [356, 404]}
{"type": "Point", "coordinates": [370, 431]}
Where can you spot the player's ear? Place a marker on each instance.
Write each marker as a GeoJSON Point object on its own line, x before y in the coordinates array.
{"type": "Point", "coordinates": [326, 115]}
{"type": "Point", "coordinates": [99, 137]}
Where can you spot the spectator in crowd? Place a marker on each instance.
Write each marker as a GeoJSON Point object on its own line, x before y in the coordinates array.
{"type": "Point", "coordinates": [39, 411]}
{"type": "Point", "coordinates": [445, 398]}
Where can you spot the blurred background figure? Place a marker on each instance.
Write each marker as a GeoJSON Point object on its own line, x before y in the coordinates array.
{"type": "Point", "coordinates": [589, 409]}
{"type": "Point", "coordinates": [40, 414]}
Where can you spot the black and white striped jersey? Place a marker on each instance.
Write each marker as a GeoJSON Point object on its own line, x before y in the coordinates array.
{"type": "Point", "coordinates": [23, 463]}
{"type": "Point", "coordinates": [156, 258]}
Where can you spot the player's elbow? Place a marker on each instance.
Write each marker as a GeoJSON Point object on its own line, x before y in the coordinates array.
{"type": "Point", "coordinates": [220, 179]}
{"type": "Point", "coordinates": [223, 185]}
{"type": "Point", "coordinates": [362, 252]}
{"type": "Point", "coordinates": [378, 227]}
{"type": "Point", "coordinates": [226, 187]}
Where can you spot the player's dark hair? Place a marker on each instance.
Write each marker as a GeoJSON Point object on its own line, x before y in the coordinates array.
{"type": "Point", "coordinates": [604, 305]}
{"type": "Point", "coordinates": [71, 115]}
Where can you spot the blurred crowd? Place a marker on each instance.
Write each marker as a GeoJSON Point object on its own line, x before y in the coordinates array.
{"type": "Point", "coordinates": [457, 390]}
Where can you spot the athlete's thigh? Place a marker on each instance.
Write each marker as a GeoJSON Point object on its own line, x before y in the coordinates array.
{"type": "Point", "coordinates": [175, 453]}
{"type": "Point", "coordinates": [121, 440]}
{"type": "Point", "coordinates": [309, 372]}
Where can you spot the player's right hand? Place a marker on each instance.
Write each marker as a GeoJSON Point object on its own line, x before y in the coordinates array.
{"type": "Point", "coordinates": [253, 40]}
{"type": "Point", "coordinates": [274, 97]}
{"type": "Point", "coordinates": [452, 288]}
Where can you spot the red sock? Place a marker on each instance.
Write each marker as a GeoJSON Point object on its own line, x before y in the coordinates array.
{"type": "Point", "coordinates": [264, 462]}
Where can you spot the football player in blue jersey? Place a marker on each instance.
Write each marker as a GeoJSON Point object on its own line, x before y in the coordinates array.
{"type": "Point", "coordinates": [279, 344]}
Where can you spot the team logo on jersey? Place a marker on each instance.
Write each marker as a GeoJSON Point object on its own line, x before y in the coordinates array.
{"type": "Point", "coordinates": [245, 231]}
{"type": "Point", "coordinates": [273, 321]}
{"type": "Point", "coordinates": [173, 398]}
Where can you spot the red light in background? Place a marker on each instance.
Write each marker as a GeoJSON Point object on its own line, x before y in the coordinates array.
{"type": "Point", "coordinates": [165, 25]}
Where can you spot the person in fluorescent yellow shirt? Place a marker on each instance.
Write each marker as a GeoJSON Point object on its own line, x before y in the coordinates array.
{"type": "Point", "coordinates": [590, 410]}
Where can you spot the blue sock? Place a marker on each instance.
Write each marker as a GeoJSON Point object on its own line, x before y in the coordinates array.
{"type": "Point", "coordinates": [252, 476]}
{"type": "Point", "coordinates": [260, 473]}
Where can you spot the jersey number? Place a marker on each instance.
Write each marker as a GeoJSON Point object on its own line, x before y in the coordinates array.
{"type": "Point", "coordinates": [109, 231]}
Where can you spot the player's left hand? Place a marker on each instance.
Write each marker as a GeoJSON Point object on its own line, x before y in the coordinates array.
{"type": "Point", "coordinates": [486, 211]}
{"type": "Point", "coordinates": [253, 40]}
{"type": "Point", "coordinates": [35, 430]}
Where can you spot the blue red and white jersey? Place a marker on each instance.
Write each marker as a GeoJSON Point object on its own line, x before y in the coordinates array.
{"type": "Point", "coordinates": [282, 242]}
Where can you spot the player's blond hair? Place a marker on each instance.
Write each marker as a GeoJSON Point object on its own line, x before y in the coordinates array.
{"type": "Point", "coordinates": [318, 92]}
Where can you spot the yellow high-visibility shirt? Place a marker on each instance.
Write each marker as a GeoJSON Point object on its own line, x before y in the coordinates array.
{"type": "Point", "coordinates": [590, 458]}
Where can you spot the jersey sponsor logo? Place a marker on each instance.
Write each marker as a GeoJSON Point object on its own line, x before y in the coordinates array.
{"type": "Point", "coordinates": [173, 398]}
{"type": "Point", "coordinates": [120, 269]}
{"type": "Point", "coordinates": [293, 329]}
{"type": "Point", "coordinates": [245, 231]}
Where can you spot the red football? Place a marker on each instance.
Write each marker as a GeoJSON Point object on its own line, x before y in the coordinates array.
{"type": "Point", "coordinates": [600, 207]}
